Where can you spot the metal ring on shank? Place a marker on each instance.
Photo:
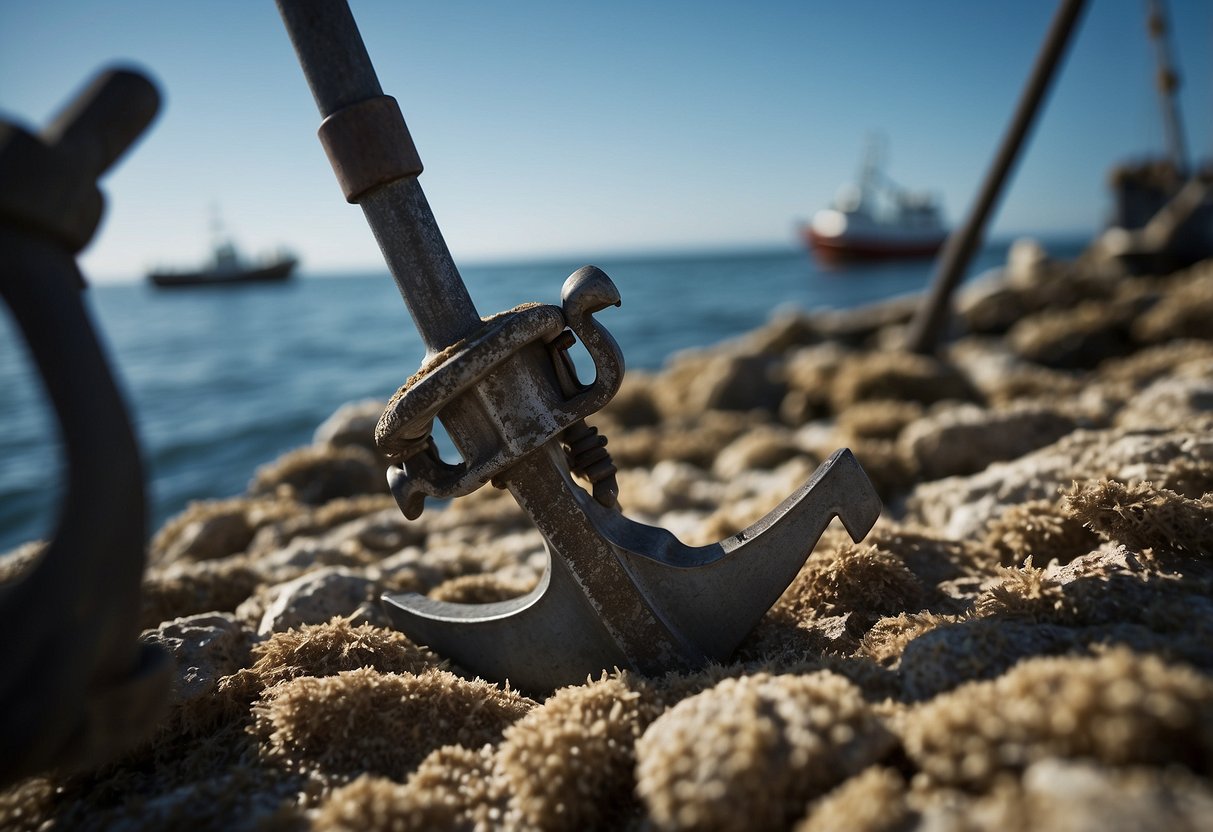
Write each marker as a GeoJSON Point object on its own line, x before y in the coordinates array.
{"type": "Point", "coordinates": [411, 411]}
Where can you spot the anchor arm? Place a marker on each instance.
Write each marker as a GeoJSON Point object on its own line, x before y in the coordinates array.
{"type": "Point", "coordinates": [715, 594]}
{"type": "Point", "coordinates": [618, 593]}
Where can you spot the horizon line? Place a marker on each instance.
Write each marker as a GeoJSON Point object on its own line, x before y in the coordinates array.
{"type": "Point", "coordinates": [704, 251]}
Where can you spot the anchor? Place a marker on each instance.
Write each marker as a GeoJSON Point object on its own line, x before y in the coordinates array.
{"type": "Point", "coordinates": [615, 592]}
{"type": "Point", "coordinates": [76, 685]}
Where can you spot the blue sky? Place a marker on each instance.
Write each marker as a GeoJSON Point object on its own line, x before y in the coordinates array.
{"type": "Point", "coordinates": [568, 128]}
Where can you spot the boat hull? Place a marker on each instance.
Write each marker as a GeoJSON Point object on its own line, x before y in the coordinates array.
{"type": "Point", "coordinates": [843, 247]}
{"type": "Point", "coordinates": [275, 272]}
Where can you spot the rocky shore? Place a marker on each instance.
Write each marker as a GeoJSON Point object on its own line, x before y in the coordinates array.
{"type": "Point", "coordinates": [1024, 641]}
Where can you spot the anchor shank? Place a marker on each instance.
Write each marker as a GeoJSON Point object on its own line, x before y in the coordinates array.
{"type": "Point", "coordinates": [341, 77]}
{"type": "Point", "coordinates": [377, 166]}
{"type": "Point", "coordinates": [330, 49]}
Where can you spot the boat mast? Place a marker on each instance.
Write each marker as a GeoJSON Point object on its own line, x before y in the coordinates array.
{"type": "Point", "coordinates": [1168, 85]}
{"type": "Point", "coordinates": [869, 177]}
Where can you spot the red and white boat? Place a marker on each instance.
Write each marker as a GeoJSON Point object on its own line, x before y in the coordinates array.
{"type": "Point", "coordinates": [876, 219]}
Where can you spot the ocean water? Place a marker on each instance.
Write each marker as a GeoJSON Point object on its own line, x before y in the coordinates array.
{"type": "Point", "coordinates": [220, 381]}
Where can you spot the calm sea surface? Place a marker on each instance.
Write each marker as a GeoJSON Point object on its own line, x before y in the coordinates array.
{"type": "Point", "coordinates": [223, 380]}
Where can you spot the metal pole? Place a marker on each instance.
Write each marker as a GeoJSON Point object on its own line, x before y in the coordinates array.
{"type": "Point", "coordinates": [963, 241]}
{"type": "Point", "coordinates": [343, 80]}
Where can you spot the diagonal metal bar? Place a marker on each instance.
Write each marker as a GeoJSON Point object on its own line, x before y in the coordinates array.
{"type": "Point", "coordinates": [341, 76]}
{"type": "Point", "coordinates": [932, 314]}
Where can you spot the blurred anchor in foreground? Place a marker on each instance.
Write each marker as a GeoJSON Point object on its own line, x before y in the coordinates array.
{"type": "Point", "coordinates": [76, 685]}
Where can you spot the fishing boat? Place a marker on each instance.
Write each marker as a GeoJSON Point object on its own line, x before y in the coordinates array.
{"type": "Point", "coordinates": [876, 219]}
{"type": "Point", "coordinates": [228, 267]}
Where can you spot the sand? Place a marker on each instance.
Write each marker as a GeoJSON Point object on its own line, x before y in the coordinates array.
{"type": "Point", "coordinates": [1024, 641]}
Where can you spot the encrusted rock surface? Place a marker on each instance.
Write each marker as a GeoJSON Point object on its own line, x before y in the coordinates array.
{"type": "Point", "coordinates": [1024, 641]}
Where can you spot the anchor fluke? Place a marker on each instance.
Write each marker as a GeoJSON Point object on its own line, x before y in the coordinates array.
{"type": "Point", "coordinates": [707, 597]}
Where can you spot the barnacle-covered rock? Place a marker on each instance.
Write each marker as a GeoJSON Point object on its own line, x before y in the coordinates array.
{"type": "Point", "coordinates": [483, 588]}
{"type": "Point", "coordinates": [204, 531]}
{"type": "Point", "coordinates": [515, 557]}
{"type": "Point", "coordinates": [873, 801]}
{"type": "Point", "coordinates": [1176, 402]}
{"type": "Point", "coordinates": [373, 802]}
{"type": "Point", "coordinates": [634, 405]}
{"type": "Point", "coordinates": [363, 721]}
{"type": "Point", "coordinates": [810, 374]}
{"type": "Point", "coordinates": [314, 521]}
{"type": "Point", "coordinates": [351, 424]}
{"type": "Point", "coordinates": [938, 658]}
{"type": "Point", "coordinates": [699, 381]}
{"type": "Point", "coordinates": [1069, 795]}
{"type": "Point", "coordinates": [569, 763]}
{"type": "Point", "coordinates": [315, 598]}
{"type": "Point", "coordinates": [1144, 517]}
{"type": "Point", "coordinates": [204, 649]}
{"type": "Point", "coordinates": [763, 448]}
{"type": "Point", "coordinates": [966, 439]}
{"type": "Point", "coordinates": [1041, 530]}
{"type": "Point", "coordinates": [186, 588]}
{"type": "Point", "coordinates": [305, 554]}
{"type": "Point", "coordinates": [898, 375]}
{"type": "Point", "coordinates": [750, 752]}
{"type": "Point", "coordinates": [862, 580]}
{"type": "Point", "coordinates": [1185, 309]}
{"type": "Point", "coordinates": [885, 641]}
{"type": "Point", "coordinates": [1157, 362]}
{"type": "Point", "coordinates": [1118, 709]}
{"type": "Point", "coordinates": [932, 558]}
{"type": "Point", "coordinates": [961, 507]}
{"type": "Point", "coordinates": [210, 529]}
{"type": "Point", "coordinates": [786, 329]}
{"type": "Point", "coordinates": [452, 789]}
{"type": "Point", "coordinates": [335, 646]}
{"type": "Point", "coordinates": [318, 474]}
{"type": "Point", "coordinates": [876, 419]}
{"type": "Point", "coordinates": [887, 468]}
{"type": "Point", "coordinates": [692, 439]}
{"type": "Point", "coordinates": [1080, 337]}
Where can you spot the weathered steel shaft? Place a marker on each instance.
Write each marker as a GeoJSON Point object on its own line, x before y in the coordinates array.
{"type": "Point", "coordinates": [341, 76]}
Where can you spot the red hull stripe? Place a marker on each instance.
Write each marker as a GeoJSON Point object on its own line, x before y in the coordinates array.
{"type": "Point", "coordinates": [839, 248]}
